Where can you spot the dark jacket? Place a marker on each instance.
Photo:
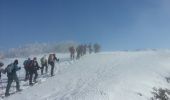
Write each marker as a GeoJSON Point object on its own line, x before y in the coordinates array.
{"type": "Point", "coordinates": [26, 63]}
{"type": "Point", "coordinates": [34, 65]}
{"type": "Point", "coordinates": [14, 70]}
{"type": "Point", "coordinates": [52, 58]}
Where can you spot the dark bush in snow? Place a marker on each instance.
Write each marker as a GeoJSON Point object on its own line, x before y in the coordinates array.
{"type": "Point", "coordinates": [160, 94]}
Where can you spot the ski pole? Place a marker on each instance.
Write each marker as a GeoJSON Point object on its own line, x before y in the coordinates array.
{"type": "Point", "coordinates": [1, 84]}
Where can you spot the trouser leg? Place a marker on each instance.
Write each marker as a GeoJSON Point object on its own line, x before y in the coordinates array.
{"type": "Point", "coordinates": [30, 78]}
{"type": "Point", "coordinates": [26, 74]}
{"type": "Point", "coordinates": [46, 68]}
{"type": "Point", "coordinates": [10, 80]}
{"type": "Point", "coordinates": [36, 75]}
{"type": "Point", "coordinates": [78, 55]}
{"type": "Point", "coordinates": [72, 55]}
{"type": "Point", "coordinates": [52, 69]}
{"type": "Point", "coordinates": [42, 69]}
{"type": "Point", "coordinates": [17, 82]}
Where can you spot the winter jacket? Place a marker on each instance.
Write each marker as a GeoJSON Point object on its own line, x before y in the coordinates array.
{"type": "Point", "coordinates": [14, 70]}
{"type": "Point", "coordinates": [34, 65]}
{"type": "Point", "coordinates": [44, 61]}
{"type": "Point", "coordinates": [26, 63]}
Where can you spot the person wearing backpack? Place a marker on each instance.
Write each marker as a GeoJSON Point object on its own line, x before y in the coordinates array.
{"type": "Point", "coordinates": [33, 67]}
{"type": "Point", "coordinates": [44, 63]}
{"type": "Point", "coordinates": [51, 60]}
{"type": "Point", "coordinates": [11, 70]}
{"type": "Point", "coordinates": [90, 48]}
{"type": "Point", "coordinates": [1, 69]}
{"type": "Point", "coordinates": [26, 65]}
{"type": "Point", "coordinates": [72, 52]}
{"type": "Point", "coordinates": [78, 50]}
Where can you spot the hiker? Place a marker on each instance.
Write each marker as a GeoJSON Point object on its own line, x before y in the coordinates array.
{"type": "Point", "coordinates": [11, 70]}
{"type": "Point", "coordinates": [33, 67]}
{"type": "Point", "coordinates": [96, 47]}
{"type": "Point", "coordinates": [1, 70]}
{"type": "Point", "coordinates": [51, 60]}
{"type": "Point", "coordinates": [84, 49]}
{"type": "Point", "coordinates": [81, 50]}
{"type": "Point", "coordinates": [26, 67]}
{"type": "Point", "coordinates": [78, 50]}
{"type": "Point", "coordinates": [72, 52]}
{"type": "Point", "coordinates": [90, 48]}
{"type": "Point", "coordinates": [44, 63]}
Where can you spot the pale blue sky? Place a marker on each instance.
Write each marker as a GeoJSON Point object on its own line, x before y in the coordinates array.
{"type": "Point", "coordinates": [115, 24]}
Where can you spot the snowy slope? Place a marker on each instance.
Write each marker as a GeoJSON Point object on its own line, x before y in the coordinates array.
{"type": "Point", "coordinates": [104, 76]}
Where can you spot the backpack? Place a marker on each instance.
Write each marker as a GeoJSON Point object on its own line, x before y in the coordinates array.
{"type": "Point", "coordinates": [50, 58]}
{"type": "Point", "coordinates": [30, 64]}
{"type": "Point", "coordinates": [9, 68]}
{"type": "Point", "coordinates": [43, 60]}
{"type": "Point", "coordinates": [25, 62]}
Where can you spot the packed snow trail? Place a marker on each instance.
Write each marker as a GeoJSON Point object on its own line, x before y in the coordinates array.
{"type": "Point", "coordinates": [104, 76]}
{"type": "Point", "coordinates": [64, 60]}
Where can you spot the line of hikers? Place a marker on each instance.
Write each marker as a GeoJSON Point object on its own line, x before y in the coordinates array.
{"type": "Point", "coordinates": [31, 67]}
{"type": "Point", "coordinates": [81, 50]}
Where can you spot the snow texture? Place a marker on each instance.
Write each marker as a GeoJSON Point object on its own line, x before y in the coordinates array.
{"type": "Point", "coordinates": [102, 76]}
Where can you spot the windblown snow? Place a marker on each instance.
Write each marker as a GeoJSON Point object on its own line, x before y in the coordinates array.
{"type": "Point", "coordinates": [102, 76]}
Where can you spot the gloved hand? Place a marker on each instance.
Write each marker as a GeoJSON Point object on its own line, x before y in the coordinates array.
{"type": "Point", "coordinates": [1, 64]}
{"type": "Point", "coordinates": [58, 60]}
{"type": "Point", "coordinates": [4, 71]}
{"type": "Point", "coordinates": [38, 68]}
{"type": "Point", "coordinates": [19, 68]}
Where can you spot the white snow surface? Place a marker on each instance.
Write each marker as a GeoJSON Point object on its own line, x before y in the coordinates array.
{"type": "Point", "coordinates": [102, 76]}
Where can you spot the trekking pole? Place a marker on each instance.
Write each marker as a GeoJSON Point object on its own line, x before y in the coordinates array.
{"type": "Point", "coordinates": [20, 78]}
{"type": "Point", "coordinates": [1, 85]}
{"type": "Point", "coordinates": [19, 75]}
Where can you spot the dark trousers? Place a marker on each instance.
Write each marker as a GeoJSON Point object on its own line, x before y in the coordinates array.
{"type": "Point", "coordinates": [12, 78]}
{"type": "Point", "coordinates": [26, 73]}
{"type": "Point", "coordinates": [78, 55]}
{"type": "Point", "coordinates": [35, 73]}
{"type": "Point", "coordinates": [42, 68]}
{"type": "Point", "coordinates": [72, 55]}
{"type": "Point", "coordinates": [52, 68]}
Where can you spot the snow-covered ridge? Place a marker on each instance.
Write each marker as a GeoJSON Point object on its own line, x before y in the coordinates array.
{"type": "Point", "coordinates": [104, 76]}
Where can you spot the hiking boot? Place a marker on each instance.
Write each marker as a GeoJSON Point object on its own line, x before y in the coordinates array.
{"type": "Point", "coordinates": [7, 94]}
{"type": "Point", "coordinates": [35, 81]}
{"type": "Point", "coordinates": [31, 84]}
{"type": "Point", "coordinates": [52, 75]}
{"type": "Point", "coordinates": [19, 90]}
